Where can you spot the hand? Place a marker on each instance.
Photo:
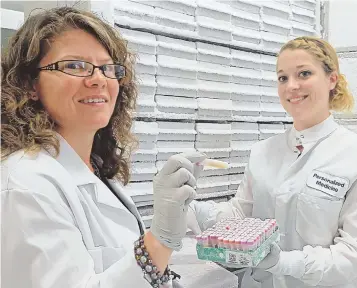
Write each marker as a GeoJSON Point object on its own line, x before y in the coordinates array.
{"type": "Point", "coordinates": [173, 191]}
{"type": "Point", "coordinates": [259, 275]}
{"type": "Point", "coordinates": [272, 258]}
{"type": "Point", "coordinates": [192, 222]}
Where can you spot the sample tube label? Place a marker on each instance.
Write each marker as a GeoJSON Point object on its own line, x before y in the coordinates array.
{"type": "Point", "coordinates": [238, 258]}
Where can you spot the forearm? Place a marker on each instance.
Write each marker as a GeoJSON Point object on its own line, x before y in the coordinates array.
{"type": "Point", "coordinates": [333, 266]}
{"type": "Point", "coordinates": [237, 207]}
{"type": "Point", "coordinates": [159, 253]}
{"type": "Point", "coordinates": [241, 205]}
{"type": "Point", "coordinates": [209, 213]}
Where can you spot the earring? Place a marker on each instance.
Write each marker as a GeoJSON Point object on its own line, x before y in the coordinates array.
{"type": "Point", "coordinates": [33, 96]}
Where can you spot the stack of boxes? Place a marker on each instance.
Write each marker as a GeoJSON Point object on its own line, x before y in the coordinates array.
{"type": "Point", "coordinates": [207, 82]}
{"type": "Point", "coordinates": [214, 140]}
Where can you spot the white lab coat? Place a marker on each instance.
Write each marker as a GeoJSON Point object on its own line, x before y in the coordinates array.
{"type": "Point", "coordinates": [314, 199]}
{"type": "Point", "coordinates": [63, 227]}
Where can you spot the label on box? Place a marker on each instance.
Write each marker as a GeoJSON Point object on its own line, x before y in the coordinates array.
{"type": "Point", "coordinates": [239, 258]}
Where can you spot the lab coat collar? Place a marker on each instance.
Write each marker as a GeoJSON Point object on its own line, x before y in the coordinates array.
{"type": "Point", "coordinates": [313, 134]}
{"type": "Point", "coordinates": [76, 167]}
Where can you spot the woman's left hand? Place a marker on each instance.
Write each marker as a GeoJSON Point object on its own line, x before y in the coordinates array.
{"type": "Point", "coordinates": [272, 258]}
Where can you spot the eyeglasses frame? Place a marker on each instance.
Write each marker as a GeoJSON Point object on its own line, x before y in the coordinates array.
{"type": "Point", "coordinates": [55, 67]}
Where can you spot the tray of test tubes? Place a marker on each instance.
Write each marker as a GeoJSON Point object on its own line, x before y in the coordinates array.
{"type": "Point", "coordinates": [237, 243]}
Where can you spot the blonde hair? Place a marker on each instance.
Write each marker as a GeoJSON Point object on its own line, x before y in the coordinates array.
{"type": "Point", "coordinates": [27, 125]}
{"type": "Point", "coordinates": [341, 98]}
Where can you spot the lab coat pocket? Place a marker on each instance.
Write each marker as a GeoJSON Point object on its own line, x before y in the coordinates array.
{"type": "Point", "coordinates": [104, 257]}
{"type": "Point", "coordinates": [97, 257]}
{"type": "Point", "coordinates": [317, 219]}
{"type": "Point", "coordinates": [108, 199]}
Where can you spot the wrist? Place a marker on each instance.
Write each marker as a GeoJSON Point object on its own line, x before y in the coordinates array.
{"type": "Point", "coordinates": [166, 233]}
{"type": "Point", "coordinates": [159, 253]}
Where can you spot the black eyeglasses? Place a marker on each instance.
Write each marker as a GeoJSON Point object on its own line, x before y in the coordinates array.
{"type": "Point", "coordinates": [84, 69]}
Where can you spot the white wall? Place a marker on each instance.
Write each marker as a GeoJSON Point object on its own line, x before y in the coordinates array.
{"type": "Point", "coordinates": [342, 21]}
{"type": "Point", "coordinates": [348, 66]}
{"type": "Point", "coordinates": [11, 19]}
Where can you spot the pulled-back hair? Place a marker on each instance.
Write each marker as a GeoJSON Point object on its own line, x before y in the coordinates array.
{"type": "Point", "coordinates": [341, 98]}
{"type": "Point", "coordinates": [27, 125]}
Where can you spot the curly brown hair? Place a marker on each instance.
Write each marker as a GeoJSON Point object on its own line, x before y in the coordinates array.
{"type": "Point", "coordinates": [25, 123]}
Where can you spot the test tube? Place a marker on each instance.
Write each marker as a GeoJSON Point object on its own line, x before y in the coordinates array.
{"type": "Point", "coordinates": [209, 239]}
{"type": "Point", "coordinates": [266, 232]}
{"type": "Point", "coordinates": [209, 230]}
{"type": "Point", "coordinates": [244, 244]}
{"type": "Point", "coordinates": [238, 243]}
{"type": "Point", "coordinates": [232, 245]}
{"type": "Point", "coordinates": [275, 226]}
{"type": "Point", "coordinates": [261, 237]}
{"type": "Point", "coordinates": [250, 245]}
{"type": "Point", "coordinates": [199, 239]}
{"type": "Point", "coordinates": [220, 242]}
{"type": "Point", "coordinates": [205, 241]}
{"type": "Point", "coordinates": [214, 163]}
{"type": "Point", "coordinates": [214, 238]}
{"type": "Point", "coordinates": [226, 243]}
{"type": "Point", "coordinates": [256, 242]}
{"type": "Point", "coordinates": [270, 229]}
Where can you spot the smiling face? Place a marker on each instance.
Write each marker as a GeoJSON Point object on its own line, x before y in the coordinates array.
{"type": "Point", "coordinates": [304, 87]}
{"type": "Point", "coordinates": [77, 104]}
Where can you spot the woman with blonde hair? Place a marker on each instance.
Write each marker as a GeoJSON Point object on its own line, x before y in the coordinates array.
{"type": "Point", "coordinates": [68, 93]}
{"type": "Point", "coordinates": [305, 178]}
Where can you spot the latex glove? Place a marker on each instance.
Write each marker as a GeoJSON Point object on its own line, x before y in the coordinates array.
{"type": "Point", "coordinates": [272, 258]}
{"type": "Point", "coordinates": [173, 191]}
{"type": "Point", "coordinates": [260, 275]}
{"type": "Point", "coordinates": [192, 222]}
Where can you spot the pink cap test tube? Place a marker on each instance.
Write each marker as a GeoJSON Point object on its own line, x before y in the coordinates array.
{"type": "Point", "coordinates": [205, 241]}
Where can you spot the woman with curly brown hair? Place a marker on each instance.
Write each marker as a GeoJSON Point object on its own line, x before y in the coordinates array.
{"type": "Point", "coordinates": [68, 92]}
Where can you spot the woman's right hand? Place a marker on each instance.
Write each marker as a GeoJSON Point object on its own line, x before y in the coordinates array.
{"type": "Point", "coordinates": [173, 191]}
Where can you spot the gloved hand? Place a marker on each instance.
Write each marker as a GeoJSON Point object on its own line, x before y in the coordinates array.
{"type": "Point", "coordinates": [192, 222]}
{"type": "Point", "coordinates": [272, 258]}
{"type": "Point", "coordinates": [173, 191]}
{"type": "Point", "coordinates": [277, 262]}
{"type": "Point", "coordinates": [260, 276]}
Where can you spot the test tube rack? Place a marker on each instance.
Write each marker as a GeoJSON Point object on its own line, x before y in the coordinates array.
{"type": "Point", "coordinates": [238, 243]}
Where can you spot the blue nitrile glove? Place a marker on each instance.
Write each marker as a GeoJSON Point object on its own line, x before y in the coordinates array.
{"type": "Point", "coordinates": [173, 191]}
